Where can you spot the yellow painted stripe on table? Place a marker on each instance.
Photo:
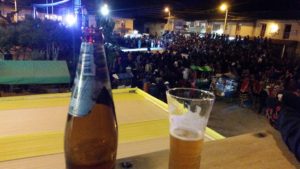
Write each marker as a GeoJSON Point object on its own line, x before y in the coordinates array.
{"type": "Point", "coordinates": [213, 134]}
{"type": "Point", "coordinates": [22, 146]}
{"type": "Point", "coordinates": [34, 101]}
{"type": "Point", "coordinates": [154, 100]}
{"type": "Point", "coordinates": [30, 145]}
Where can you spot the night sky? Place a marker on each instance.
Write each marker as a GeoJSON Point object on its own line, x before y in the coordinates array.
{"type": "Point", "coordinates": [190, 8]}
{"type": "Point", "coordinates": [186, 8]}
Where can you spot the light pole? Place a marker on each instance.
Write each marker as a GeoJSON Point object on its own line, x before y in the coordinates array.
{"type": "Point", "coordinates": [167, 10]}
{"type": "Point", "coordinates": [16, 10]}
{"type": "Point", "coordinates": [224, 8]}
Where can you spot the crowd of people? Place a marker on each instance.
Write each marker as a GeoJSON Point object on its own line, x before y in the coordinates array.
{"type": "Point", "coordinates": [258, 68]}
{"type": "Point", "coordinates": [140, 42]}
{"type": "Point", "coordinates": [264, 76]}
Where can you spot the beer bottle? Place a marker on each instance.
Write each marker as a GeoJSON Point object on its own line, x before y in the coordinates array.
{"type": "Point", "coordinates": [91, 133]}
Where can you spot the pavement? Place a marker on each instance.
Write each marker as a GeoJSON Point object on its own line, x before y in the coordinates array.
{"type": "Point", "coordinates": [229, 119]}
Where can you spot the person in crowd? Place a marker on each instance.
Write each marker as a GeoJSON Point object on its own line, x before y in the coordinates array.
{"type": "Point", "coordinates": [263, 95]}
{"type": "Point", "coordinates": [285, 117]}
{"type": "Point", "coordinates": [139, 43]}
{"type": "Point", "coordinates": [257, 87]}
{"type": "Point", "coordinates": [244, 91]}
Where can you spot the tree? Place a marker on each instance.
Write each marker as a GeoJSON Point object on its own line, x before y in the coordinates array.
{"type": "Point", "coordinates": [31, 33]}
{"type": "Point", "coordinates": [8, 37]}
{"type": "Point", "coordinates": [44, 38]}
{"type": "Point", "coordinates": [9, 18]}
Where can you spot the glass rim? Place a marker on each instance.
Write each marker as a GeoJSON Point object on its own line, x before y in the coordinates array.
{"type": "Point", "coordinates": [191, 99]}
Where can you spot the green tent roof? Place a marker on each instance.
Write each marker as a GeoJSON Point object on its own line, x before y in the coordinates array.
{"type": "Point", "coordinates": [193, 67]}
{"type": "Point", "coordinates": [202, 69]}
{"type": "Point", "coordinates": [34, 72]}
{"type": "Point", "coordinates": [207, 69]}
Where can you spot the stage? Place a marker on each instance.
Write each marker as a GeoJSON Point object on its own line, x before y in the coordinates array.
{"type": "Point", "coordinates": [142, 49]}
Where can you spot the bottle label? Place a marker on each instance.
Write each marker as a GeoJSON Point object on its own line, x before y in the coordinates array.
{"type": "Point", "coordinates": [84, 85]}
{"type": "Point", "coordinates": [81, 101]}
{"type": "Point", "coordinates": [88, 65]}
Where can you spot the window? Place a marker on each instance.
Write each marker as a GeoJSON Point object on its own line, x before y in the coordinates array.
{"type": "Point", "coordinates": [287, 31]}
{"type": "Point", "coordinates": [216, 27]}
{"type": "Point", "coordinates": [263, 30]}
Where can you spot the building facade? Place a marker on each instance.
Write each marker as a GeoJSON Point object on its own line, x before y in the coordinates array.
{"type": "Point", "coordinates": [278, 29]}
{"type": "Point", "coordinates": [123, 25]}
{"type": "Point", "coordinates": [283, 32]}
{"type": "Point", "coordinates": [275, 29]}
{"type": "Point", "coordinates": [154, 28]}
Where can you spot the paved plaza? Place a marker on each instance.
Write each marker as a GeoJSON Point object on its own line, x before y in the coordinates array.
{"type": "Point", "coordinates": [229, 119]}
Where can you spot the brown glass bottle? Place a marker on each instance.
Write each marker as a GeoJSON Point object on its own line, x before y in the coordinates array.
{"type": "Point", "coordinates": [91, 133]}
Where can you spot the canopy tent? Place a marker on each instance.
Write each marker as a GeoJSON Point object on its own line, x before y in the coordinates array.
{"type": "Point", "coordinates": [34, 72]}
{"type": "Point", "coordinates": [207, 69]}
{"type": "Point", "coordinates": [193, 67]}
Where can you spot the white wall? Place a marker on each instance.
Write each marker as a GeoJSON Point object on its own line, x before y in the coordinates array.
{"type": "Point", "coordinates": [247, 29]}
{"type": "Point", "coordinates": [231, 29]}
{"type": "Point", "coordinates": [215, 26]}
{"type": "Point", "coordinates": [195, 26]}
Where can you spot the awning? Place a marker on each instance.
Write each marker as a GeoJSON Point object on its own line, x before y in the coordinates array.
{"type": "Point", "coordinates": [34, 72]}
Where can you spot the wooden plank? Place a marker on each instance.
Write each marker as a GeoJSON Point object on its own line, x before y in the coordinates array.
{"type": "Point", "coordinates": [56, 161]}
{"type": "Point", "coordinates": [263, 150]}
{"type": "Point", "coordinates": [43, 162]}
{"type": "Point", "coordinates": [25, 121]}
{"type": "Point", "coordinates": [30, 145]}
{"type": "Point", "coordinates": [251, 151]}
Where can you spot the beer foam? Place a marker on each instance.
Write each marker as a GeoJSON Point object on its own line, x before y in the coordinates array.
{"type": "Point", "coordinates": [186, 134]}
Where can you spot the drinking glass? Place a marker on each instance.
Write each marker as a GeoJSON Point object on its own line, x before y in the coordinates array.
{"type": "Point", "coordinates": [189, 110]}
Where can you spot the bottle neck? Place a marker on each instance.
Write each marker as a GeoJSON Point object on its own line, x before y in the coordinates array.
{"type": "Point", "coordinates": [92, 82]}
{"type": "Point", "coordinates": [102, 73]}
{"type": "Point", "coordinates": [94, 38]}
